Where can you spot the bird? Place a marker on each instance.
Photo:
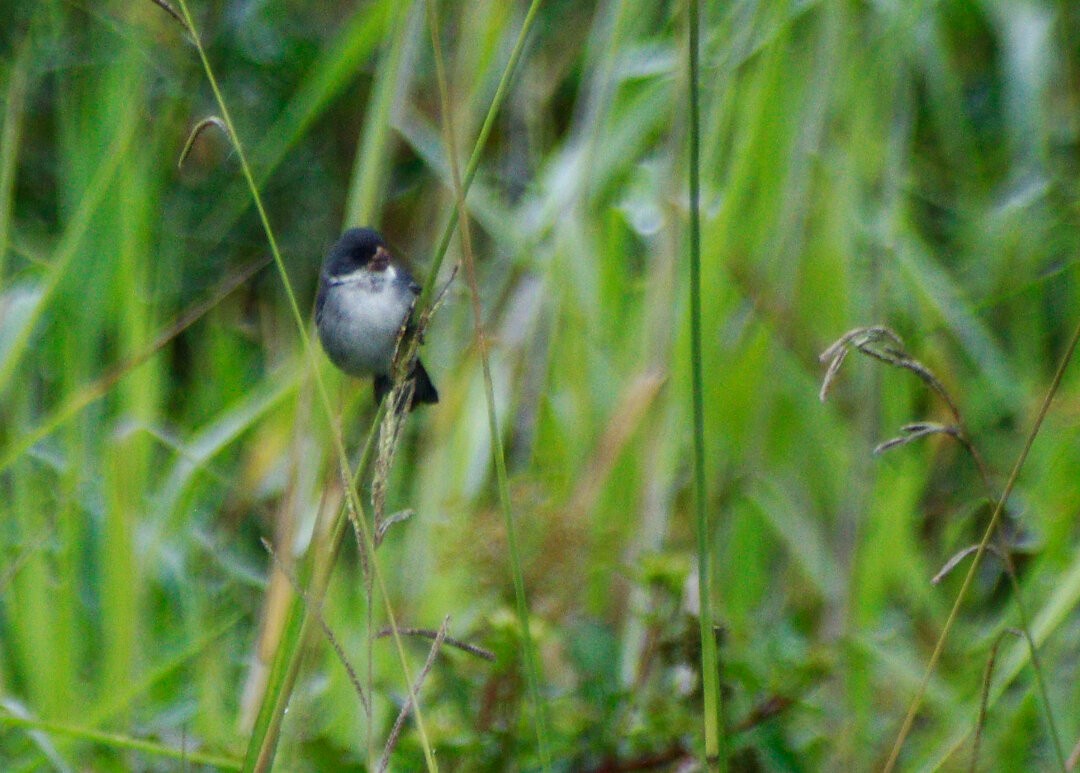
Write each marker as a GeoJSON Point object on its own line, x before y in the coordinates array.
{"type": "Point", "coordinates": [365, 296]}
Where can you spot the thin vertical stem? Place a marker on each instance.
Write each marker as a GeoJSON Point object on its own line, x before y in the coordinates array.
{"type": "Point", "coordinates": [474, 161]}
{"type": "Point", "coordinates": [531, 665]}
{"type": "Point", "coordinates": [715, 751]}
{"type": "Point", "coordinates": [262, 745]}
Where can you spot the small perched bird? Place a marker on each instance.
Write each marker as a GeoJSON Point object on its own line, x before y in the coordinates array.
{"type": "Point", "coordinates": [364, 297]}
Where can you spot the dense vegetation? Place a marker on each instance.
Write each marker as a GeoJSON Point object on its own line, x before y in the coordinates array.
{"type": "Point", "coordinates": [906, 164]}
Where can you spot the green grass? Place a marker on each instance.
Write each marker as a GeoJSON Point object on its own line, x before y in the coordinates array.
{"type": "Point", "coordinates": [911, 165]}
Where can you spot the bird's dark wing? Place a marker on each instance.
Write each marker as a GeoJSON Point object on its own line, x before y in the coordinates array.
{"type": "Point", "coordinates": [414, 286]}
{"type": "Point", "coordinates": [406, 276]}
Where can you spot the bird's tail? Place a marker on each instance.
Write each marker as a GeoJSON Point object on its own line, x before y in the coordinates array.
{"type": "Point", "coordinates": [423, 390]}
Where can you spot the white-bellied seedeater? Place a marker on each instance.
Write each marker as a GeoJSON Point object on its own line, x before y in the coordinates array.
{"type": "Point", "coordinates": [364, 298]}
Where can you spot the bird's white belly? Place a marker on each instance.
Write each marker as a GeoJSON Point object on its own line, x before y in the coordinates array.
{"type": "Point", "coordinates": [360, 325]}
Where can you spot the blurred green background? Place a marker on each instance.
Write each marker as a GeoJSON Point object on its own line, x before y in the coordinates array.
{"type": "Point", "coordinates": [906, 163]}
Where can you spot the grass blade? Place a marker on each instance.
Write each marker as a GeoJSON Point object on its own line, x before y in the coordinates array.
{"type": "Point", "coordinates": [715, 741]}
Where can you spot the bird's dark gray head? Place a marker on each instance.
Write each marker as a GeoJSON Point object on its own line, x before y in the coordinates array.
{"type": "Point", "coordinates": [357, 248]}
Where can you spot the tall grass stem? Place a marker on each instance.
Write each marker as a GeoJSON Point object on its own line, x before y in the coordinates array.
{"type": "Point", "coordinates": [715, 742]}
{"type": "Point", "coordinates": [532, 668]}
{"type": "Point", "coordinates": [481, 140]}
{"type": "Point", "coordinates": [261, 749]}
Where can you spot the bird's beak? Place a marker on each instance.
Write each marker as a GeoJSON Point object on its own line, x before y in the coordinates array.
{"type": "Point", "coordinates": [381, 259]}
